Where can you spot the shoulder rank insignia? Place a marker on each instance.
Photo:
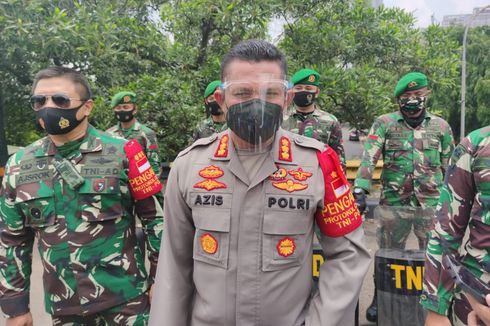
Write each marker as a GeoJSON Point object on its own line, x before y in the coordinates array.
{"type": "Point", "coordinates": [300, 175]}
{"type": "Point", "coordinates": [222, 150]}
{"type": "Point", "coordinates": [211, 172]}
{"type": "Point", "coordinates": [209, 184]}
{"type": "Point", "coordinates": [209, 244]}
{"type": "Point", "coordinates": [285, 149]}
{"type": "Point", "coordinates": [289, 185]}
{"type": "Point", "coordinates": [279, 175]}
{"type": "Point", "coordinates": [286, 247]}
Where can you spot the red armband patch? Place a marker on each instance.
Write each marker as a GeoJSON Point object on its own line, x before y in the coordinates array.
{"type": "Point", "coordinates": [339, 215]}
{"type": "Point", "coordinates": [143, 182]}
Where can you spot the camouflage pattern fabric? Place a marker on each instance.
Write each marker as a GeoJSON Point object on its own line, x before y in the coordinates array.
{"type": "Point", "coordinates": [86, 236]}
{"type": "Point", "coordinates": [464, 203]}
{"type": "Point", "coordinates": [208, 127]}
{"type": "Point", "coordinates": [135, 312]}
{"type": "Point", "coordinates": [145, 136]}
{"type": "Point", "coordinates": [413, 171]}
{"type": "Point", "coordinates": [319, 125]}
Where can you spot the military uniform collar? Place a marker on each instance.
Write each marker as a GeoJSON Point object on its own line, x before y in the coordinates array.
{"type": "Point", "coordinates": [314, 113]}
{"type": "Point", "coordinates": [91, 143]}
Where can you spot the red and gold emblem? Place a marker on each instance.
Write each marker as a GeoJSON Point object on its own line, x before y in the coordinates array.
{"type": "Point", "coordinates": [211, 172]}
{"type": "Point", "coordinates": [209, 244]}
{"type": "Point", "coordinates": [285, 149]}
{"type": "Point", "coordinates": [222, 150]}
{"type": "Point", "coordinates": [63, 123]}
{"type": "Point", "coordinates": [311, 78]}
{"type": "Point", "coordinates": [289, 185]}
{"type": "Point", "coordinates": [286, 247]}
{"type": "Point", "coordinates": [209, 184]}
{"type": "Point", "coordinates": [300, 175]}
{"type": "Point", "coordinates": [126, 99]}
{"type": "Point", "coordinates": [279, 175]}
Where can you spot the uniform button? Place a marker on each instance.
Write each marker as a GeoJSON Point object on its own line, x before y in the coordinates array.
{"type": "Point", "coordinates": [111, 188]}
{"type": "Point", "coordinates": [35, 213]}
{"type": "Point", "coordinates": [299, 140]}
{"type": "Point", "coordinates": [423, 297]}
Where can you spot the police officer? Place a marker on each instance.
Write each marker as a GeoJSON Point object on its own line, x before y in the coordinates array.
{"type": "Point", "coordinates": [216, 121]}
{"type": "Point", "coordinates": [416, 147]}
{"type": "Point", "coordinates": [128, 127]}
{"type": "Point", "coordinates": [74, 191]}
{"type": "Point", "coordinates": [463, 206]}
{"type": "Point", "coordinates": [240, 213]}
{"type": "Point", "coordinates": [308, 119]}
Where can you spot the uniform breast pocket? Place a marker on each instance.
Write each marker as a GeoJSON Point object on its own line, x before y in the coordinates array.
{"type": "Point", "coordinates": [394, 150]}
{"type": "Point", "coordinates": [212, 237]}
{"type": "Point", "coordinates": [432, 150]}
{"type": "Point", "coordinates": [39, 211]}
{"type": "Point", "coordinates": [284, 240]}
{"type": "Point", "coordinates": [100, 200]}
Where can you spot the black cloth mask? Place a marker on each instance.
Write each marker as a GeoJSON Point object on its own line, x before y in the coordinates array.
{"type": "Point", "coordinates": [410, 106]}
{"type": "Point", "coordinates": [255, 121]}
{"type": "Point", "coordinates": [124, 116]}
{"type": "Point", "coordinates": [59, 121]}
{"type": "Point", "coordinates": [213, 108]}
{"type": "Point", "coordinates": [303, 99]}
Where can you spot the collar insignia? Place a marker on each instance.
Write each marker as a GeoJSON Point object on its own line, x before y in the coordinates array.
{"type": "Point", "coordinates": [222, 150]}
{"type": "Point", "coordinates": [300, 175]}
{"type": "Point", "coordinates": [209, 244]}
{"type": "Point", "coordinates": [211, 172]}
{"type": "Point", "coordinates": [289, 185]}
{"type": "Point", "coordinates": [209, 184]}
{"type": "Point", "coordinates": [286, 247]}
{"type": "Point", "coordinates": [285, 149]}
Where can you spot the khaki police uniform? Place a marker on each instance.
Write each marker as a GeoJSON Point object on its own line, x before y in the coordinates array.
{"type": "Point", "coordinates": [238, 251]}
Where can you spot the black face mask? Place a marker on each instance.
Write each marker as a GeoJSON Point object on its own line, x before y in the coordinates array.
{"type": "Point", "coordinates": [213, 108]}
{"type": "Point", "coordinates": [303, 99]}
{"type": "Point", "coordinates": [254, 121]}
{"type": "Point", "coordinates": [124, 116]}
{"type": "Point", "coordinates": [59, 121]}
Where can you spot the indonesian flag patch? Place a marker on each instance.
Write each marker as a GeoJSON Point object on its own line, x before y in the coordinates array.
{"type": "Point", "coordinates": [143, 182]}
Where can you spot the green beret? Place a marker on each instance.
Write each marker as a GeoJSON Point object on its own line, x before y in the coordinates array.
{"type": "Point", "coordinates": [123, 98]}
{"type": "Point", "coordinates": [410, 82]}
{"type": "Point", "coordinates": [306, 76]}
{"type": "Point", "coordinates": [211, 88]}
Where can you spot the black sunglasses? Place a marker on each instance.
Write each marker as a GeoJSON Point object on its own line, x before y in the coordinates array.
{"type": "Point", "coordinates": [62, 101]}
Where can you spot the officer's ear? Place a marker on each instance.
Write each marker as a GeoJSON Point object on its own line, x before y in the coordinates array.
{"type": "Point", "coordinates": [135, 108]}
{"type": "Point", "coordinates": [317, 92]}
{"type": "Point", "coordinates": [87, 107]}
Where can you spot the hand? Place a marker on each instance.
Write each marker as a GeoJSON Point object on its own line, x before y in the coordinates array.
{"type": "Point", "coordinates": [434, 319]}
{"type": "Point", "coordinates": [360, 197]}
{"type": "Point", "coordinates": [480, 312]}
{"type": "Point", "coordinates": [22, 320]}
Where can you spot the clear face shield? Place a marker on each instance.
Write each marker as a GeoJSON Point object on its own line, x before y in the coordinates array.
{"type": "Point", "coordinates": [254, 110]}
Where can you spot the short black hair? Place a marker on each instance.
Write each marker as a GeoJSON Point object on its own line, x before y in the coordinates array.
{"type": "Point", "coordinates": [65, 72]}
{"type": "Point", "coordinates": [254, 50]}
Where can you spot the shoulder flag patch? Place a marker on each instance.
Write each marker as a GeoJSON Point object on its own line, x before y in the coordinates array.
{"type": "Point", "coordinates": [143, 182]}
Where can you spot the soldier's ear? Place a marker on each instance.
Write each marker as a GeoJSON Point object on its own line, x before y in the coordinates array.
{"type": "Point", "coordinates": [87, 107]}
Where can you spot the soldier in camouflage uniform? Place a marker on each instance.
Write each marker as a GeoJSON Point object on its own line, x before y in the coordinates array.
{"type": "Point", "coordinates": [464, 204]}
{"type": "Point", "coordinates": [416, 147]}
{"type": "Point", "coordinates": [308, 119]}
{"type": "Point", "coordinates": [216, 120]}
{"type": "Point", "coordinates": [73, 191]}
{"type": "Point", "coordinates": [128, 127]}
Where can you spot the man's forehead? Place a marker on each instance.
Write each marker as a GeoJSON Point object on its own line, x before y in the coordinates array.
{"type": "Point", "coordinates": [242, 70]}
{"type": "Point", "coordinates": [416, 91]}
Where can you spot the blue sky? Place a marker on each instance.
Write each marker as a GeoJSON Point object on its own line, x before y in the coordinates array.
{"type": "Point", "coordinates": [424, 9]}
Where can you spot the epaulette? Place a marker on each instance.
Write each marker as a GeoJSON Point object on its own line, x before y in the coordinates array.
{"type": "Point", "coordinates": [200, 142]}
{"type": "Point", "coordinates": [308, 142]}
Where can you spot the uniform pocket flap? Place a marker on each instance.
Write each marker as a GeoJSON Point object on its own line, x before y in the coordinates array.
{"type": "Point", "coordinates": [286, 223]}
{"type": "Point", "coordinates": [212, 219]}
